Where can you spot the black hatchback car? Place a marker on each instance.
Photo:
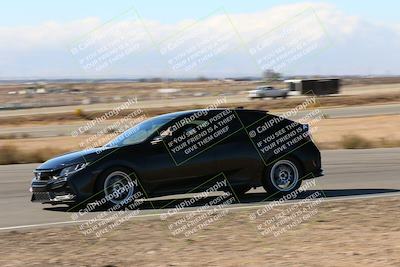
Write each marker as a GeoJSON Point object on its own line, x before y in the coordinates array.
{"type": "Point", "coordinates": [185, 152]}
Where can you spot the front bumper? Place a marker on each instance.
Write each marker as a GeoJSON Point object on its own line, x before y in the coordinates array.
{"type": "Point", "coordinates": [77, 187]}
{"type": "Point", "coordinates": [52, 191]}
{"type": "Point", "coordinates": [52, 198]}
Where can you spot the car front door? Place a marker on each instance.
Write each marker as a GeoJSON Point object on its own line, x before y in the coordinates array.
{"type": "Point", "coordinates": [174, 160]}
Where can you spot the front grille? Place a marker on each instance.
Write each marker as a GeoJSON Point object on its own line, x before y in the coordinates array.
{"type": "Point", "coordinates": [41, 196]}
{"type": "Point", "coordinates": [44, 175]}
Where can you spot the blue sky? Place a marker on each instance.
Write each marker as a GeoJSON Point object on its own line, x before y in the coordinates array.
{"type": "Point", "coordinates": [36, 36]}
{"type": "Point", "coordinates": [27, 12]}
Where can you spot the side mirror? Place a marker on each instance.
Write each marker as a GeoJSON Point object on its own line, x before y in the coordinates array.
{"type": "Point", "coordinates": [163, 134]}
{"type": "Point", "coordinates": [156, 140]}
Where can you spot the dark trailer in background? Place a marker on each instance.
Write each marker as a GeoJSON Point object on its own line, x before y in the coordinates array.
{"type": "Point", "coordinates": [314, 86]}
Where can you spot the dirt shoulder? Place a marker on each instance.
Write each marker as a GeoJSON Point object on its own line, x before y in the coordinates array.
{"type": "Point", "coordinates": [341, 233]}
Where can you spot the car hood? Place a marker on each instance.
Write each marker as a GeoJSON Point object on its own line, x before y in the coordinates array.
{"type": "Point", "coordinates": [87, 155]}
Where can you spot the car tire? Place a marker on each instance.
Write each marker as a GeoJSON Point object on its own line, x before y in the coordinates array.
{"type": "Point", "coordinates": [282, 177]}
{"type": "Point", "coordinates": [116, 187]}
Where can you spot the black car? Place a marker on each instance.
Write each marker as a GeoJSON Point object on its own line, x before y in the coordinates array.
{"type": "Point", "coordinates": [185, 152]}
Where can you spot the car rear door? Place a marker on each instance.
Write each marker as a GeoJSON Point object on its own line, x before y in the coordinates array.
{"type": "Point", "coordinates": [235, 155]}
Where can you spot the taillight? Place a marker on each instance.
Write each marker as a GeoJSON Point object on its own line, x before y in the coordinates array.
{"type": "Point", "coordinates": [307, 131]}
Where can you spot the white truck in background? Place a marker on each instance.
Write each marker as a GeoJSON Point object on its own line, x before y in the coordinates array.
{"type": "Point", "coordinates": [268, 91]}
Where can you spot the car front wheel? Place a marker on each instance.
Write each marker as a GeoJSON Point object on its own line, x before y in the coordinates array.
{"type": "Point", "coordinates": [282, 177]}
{"type": "Point", "coordinates": [117, 187]}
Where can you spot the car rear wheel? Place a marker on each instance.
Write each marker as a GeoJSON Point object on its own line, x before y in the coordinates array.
{"type": "Point", "coordinates": [283, 177]}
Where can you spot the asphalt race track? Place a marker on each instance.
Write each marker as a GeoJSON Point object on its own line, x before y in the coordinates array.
{"type": "Point", "coordinates": [349, 174]}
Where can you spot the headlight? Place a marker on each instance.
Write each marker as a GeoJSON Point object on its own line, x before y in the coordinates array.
{"type": "Point", "coordinates": [72, 169]}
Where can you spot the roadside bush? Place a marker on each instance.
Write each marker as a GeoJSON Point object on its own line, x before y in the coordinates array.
{"type": "Point", "coordinates": [355, 141]}
{"type": "Point", "coordinates": [9, 154]}
{"type": "Point", "coordinates": [44, 154]}
{"type": "Point", "coordinates": [384, 142]}
{"type": "Point", "coordinates": [314, 105]}
{"type": "Point", "coordinates": [80, 113]}
{"type": "Point", "coordinates": [8, 136]}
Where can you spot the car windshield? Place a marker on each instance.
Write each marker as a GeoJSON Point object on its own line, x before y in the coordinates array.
{"type": "Point", "coordinates": [140, 132]}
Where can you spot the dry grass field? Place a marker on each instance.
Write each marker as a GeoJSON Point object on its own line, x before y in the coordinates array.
{"type": "Point", "coordinates": [362, 132]}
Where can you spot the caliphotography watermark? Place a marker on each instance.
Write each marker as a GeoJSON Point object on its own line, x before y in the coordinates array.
{"type": "Point", "coordinates": [207, 208]}
{"type": "Point", "coordinates": [195, 47]}
{"type": "Point", "coordinates": [275, 135]}
{"type": "Point", "coordinates": [285, 45]}
{"type": "Point", "coordinates": [110, 43]}
{"type": "Point", "coordinates": [289, 211]}
{"type": "Point", "coordinates": [104, 215]}
{"type": "Point", "coordinates": [111, 127]}
{"type": "Point", "coordinates": [194, 134]}
{"type": "Point", "coordinates": [104, 117]}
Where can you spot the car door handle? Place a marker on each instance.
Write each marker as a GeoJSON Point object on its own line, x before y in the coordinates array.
{"type": "Point", "coordinates": [156, 140]}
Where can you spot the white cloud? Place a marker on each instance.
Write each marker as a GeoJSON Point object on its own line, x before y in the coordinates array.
{"type": "Point", "coordinates": [358, 45]}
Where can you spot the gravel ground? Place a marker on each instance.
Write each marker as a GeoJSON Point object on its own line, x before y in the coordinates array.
{"type": "Point", "coordinates": [342, 233]}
